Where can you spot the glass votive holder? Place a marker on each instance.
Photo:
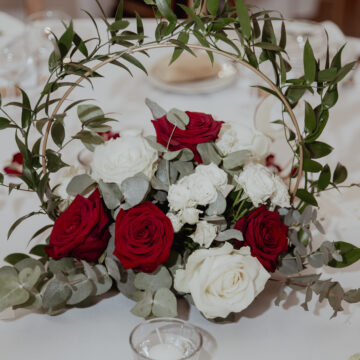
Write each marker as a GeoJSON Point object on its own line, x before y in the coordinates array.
{"type": "Point", "coordinates": [166, 339]}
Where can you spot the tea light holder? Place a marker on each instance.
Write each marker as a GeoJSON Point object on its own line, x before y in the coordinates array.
{"type": "Point", "coordinates": [166, 339]}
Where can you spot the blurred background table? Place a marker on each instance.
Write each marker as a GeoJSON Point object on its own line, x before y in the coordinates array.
{"type": "Point", "coordinates": [263, 331]}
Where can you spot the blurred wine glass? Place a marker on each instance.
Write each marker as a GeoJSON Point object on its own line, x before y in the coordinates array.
{"type": "Point", "coordinates": [13, 60]}
{"type": "Point", "coordinates": [41, 28]}
{"type": "Point", "coordinates": [298, 32]}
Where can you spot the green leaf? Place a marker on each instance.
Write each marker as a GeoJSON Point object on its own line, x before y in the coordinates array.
{"type": "Point", "coordinates": [309, 63]}
{"type": "Point", "coordinates": [79, 45]}
{"type": "Point", "coordinates": [184, 38]}
{"type": "Point", "coordinates": [230, 234]}
{"type": "Point", "coordinates": [89, 112]}
{"type": "Point", "coordinates": [327, 75]}
{"type": "Point", "coordinates": [119, 11]}
{"type": "Point", "coordinates": [330, 98]}
{"type": "Point", "coordinates": [212, 6]}
{"type": "Point", "coordinates": [66, 40]}
{"type": "Point", "coordinates": [143, 307]}
{"type": "Point", "coordinates": [118, 25]}
{"type": "Point", "coordinates": [310, 118]}
{"type": "Point", "coordinates": [55, 294]}
{"type": "Point", "coordinates": [11, 291]}
{"type": "Point", "coordinates": [103, 283]}
{"type": "Point", "coordinates": [244, 18]}
{"type": "Point", "coordinates": [324, 178]}
{"type": "Point", "coordinates": [267, 46]}
{"type": "Point", "coordinates": [139, 26]}
{"type": "Point", "coordinates": [135, 189]}
{"type": "Point", "coordinates": [311, 166]}
{"type": "Point", "coordinates": [54, 162]}
{"type": "Point", "coordinates": [164, 303]}
{"type": "Point", "coordinates": [190, 12]}
{"type": "Point", "coordinates": [156, 110]}
{"type": "Point", "coordinates": [161, 278]}
{"type": "Point", "coordinates": [349, 253]}
{"type": "Point", "coordinates": [39, 250]}
{"type": "Point", "coordinates": [78, 184]}
{"type": "Point", "coordinates": [81, 288]}
{"type": "Point", "coordinates": [304, 195]}
{"type": "Point", "coordinates": [26, 110]}
{"type": "Point", "coordinates": [19, 221]}
{"type": "Point", "coordinates": [89, 137]}
{"type": "Point", "coordinates": [132, 60]}
{"type": "Point", "coordinates": [344, 71]}
{"type": "Point", "coordinates": [282, 42]}
{"type": "Point", "coordinates": [165, 10]}
{"type": "Point", "coordinates": [294, 94]}
{"type": "Point", "coordinates": [178, 118]}
{"type": "Point", "coordinates": [236, 160]}
{"type": "Point", "coordinates": [113, 268]}
{"type": "Point", "coordinates": [340, 174]}
{"type": "Point", "coordinates": [208, 153]}
{"type": "Point", "coordinates": [29, 277]}
{"type": "Point", "coordinates": [111, 194]}
{"type": "Point", "coordinates": [15, 258]}
{"type": "Point", "coordinates": [318, 149]}
{"type": "Point", "coordinates": [336, 61]}
{"type": "Point", "coordinates": [5, 123]}
{"type": "Point", "coordinates": [58, 132]}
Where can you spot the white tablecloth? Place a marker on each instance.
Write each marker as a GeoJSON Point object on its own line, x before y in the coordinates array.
{"type": "Point", "coordinates": [263, 331]}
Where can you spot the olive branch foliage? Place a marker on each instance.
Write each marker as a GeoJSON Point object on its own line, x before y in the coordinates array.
{"type": "Point", "coordinates": [34, 281]}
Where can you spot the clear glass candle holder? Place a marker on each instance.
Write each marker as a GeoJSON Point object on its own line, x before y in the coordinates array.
{"type": "Point", "coordinates": [166, 339]}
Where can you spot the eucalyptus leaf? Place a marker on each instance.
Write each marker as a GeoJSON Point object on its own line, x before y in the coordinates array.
{"type": "Point", "coordinates": [78, 184]}
{"type": "Point", "coordinates": [113, 268]}
{"type": "Point", "coordinates": [208, 153]}
{"type": "Point", "coordinates": [178, 118]}
{"type": "Point", "coordinates": [111, 194]}
{"type": "Point", "coordinates": [236, 160]}
{"type": "Point", "coordinates": [103, 281]}
{"type": "Point", "coordinates": [230, 234]}
{"type": "Point", "coordinates": [164, 303]}
{"type": "Point", "coordinates": [159, 279]}
{"type": "Point", "coordinates": [29, 277]}
{"type": "Point", "coordinates": [135, 189]}
{"type": "Point", "coordinates": [143, 307]}
{"type": "Point", "coordinates": [11, 291]}
{"type": "Point", "coordinates": [154, 144]}
{"type": "Point", "coordinates": [218, 207]}
{"type": "Point", "coordinates": [81, 288]}
{"type": "Point", "coordinates": [156, 110]}
{"type": "Point", "coordinates": [55, 294]}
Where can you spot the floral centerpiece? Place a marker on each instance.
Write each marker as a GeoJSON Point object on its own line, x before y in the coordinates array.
{"type": "Point", "coordinates": [197, 210]}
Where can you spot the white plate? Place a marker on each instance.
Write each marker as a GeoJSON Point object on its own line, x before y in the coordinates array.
{"type": "Point", "coordinates": [226, 77]}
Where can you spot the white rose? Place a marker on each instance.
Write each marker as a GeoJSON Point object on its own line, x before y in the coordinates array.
{"type": "Point", "coordinates": [124, 157]}
{"type": "Point", "coordinates": [204, 234]}
{"type": "Point", "coordinates": [179, 196]}
{"type": "Point", "coordinates": [203, 192]}
{"type": "Point", "coordinates": [281, 195]}
{"type": "Point", "coordinates": [217, 176]}
{"type": "Point", "coordinates": [190, 215]}
{"type": "Point", "coordinates": [258, 183]}
{"type": "Point", "coordinates": [222, 280]}
{"type": "Point", "coordinates": [175, 221]}
{"type": "Point", "coordinates": [234, 137]}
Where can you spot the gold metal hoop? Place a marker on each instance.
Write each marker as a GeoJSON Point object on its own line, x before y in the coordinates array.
{"type": "Point", "coordinates": [136, 49]}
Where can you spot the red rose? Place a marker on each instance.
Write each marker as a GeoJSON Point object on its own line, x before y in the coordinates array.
{"type": "Point", "coordinates": [202, 128]}
{"type": "Point", "coordinates": [15, 168]}
{"type": "Point", "coordinates": [143, 237]}
{"type": "Point", "coordinates": [81, 231]}
{"type": "Point", "coordinates": [266, 235]}
{"type": "Point", "coordinates": [108, 135]}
